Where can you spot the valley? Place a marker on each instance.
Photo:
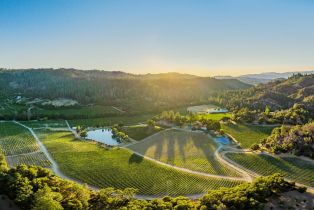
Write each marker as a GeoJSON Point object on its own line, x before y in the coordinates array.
{"type": "Point", "coordinates": [187, 150]}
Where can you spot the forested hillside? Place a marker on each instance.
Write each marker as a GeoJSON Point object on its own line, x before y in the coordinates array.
{"type": "Point", "coordinates": [298, 140]}
{"type": "Point", "coordinates": [282, 94]}
{"type": "Point", "coordinates": [112, 88]}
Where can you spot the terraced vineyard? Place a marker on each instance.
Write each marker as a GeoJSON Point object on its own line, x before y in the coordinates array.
{"type": "Point", "coordinates": [291, 167]}
{"type": "Point", "coordinates": [37, 158]}
{"type": "Point", "coordinates": [247, 135]}
{"type": "Point", "coordinates": [191, 150]}
{"type": "Point", "coordinates": [119, 168]}
{"type": "Point", "coordinates": [15, 139]}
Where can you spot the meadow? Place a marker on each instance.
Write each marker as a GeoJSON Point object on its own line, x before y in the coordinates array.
{"type": "Point", "coordinates": [191, 150]}
{"type": "Point", "coordinates": [117, 167]}
{"type": "Point", "coordinates": [15, 139]}
{"type": "Point", "coordinates": [139, 132]}
{"type": "Point", "coordinates": [247, 135]}
{"type": "Point", "coordinates": [292, 168]}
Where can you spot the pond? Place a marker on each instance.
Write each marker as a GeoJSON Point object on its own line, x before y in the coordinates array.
{"type": "Point", "coordinates": [222, 140]}
{"type": "Point", "coordinates": [206, 109]}
{"type": "Point", "coordinates": [217, 110]}
{"type": "Point", "coordinates": [102, 136]}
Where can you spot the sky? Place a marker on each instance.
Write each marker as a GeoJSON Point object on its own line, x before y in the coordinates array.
{"type": "Point", "coordinates": [201, 37]}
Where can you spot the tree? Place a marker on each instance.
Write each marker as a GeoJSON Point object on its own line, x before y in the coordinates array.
{"type": "Point", "coordinates": [151, 123]}
{"type": "Point", "coordinates": [213, 125]}
{"type": "Point", "coordinates": [45, 199]}
{"type": "Point", "coordinates": [267, 110]}
{"type": "Point", "coordinates": [3, 164]}
{"type": "Point", "coordinates": [83, 134]}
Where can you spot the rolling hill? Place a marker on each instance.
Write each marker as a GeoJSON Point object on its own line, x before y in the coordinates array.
{"type": "Point", "coordinates": [128, 91]}
{"type": "Point", "coordinates": [280, 94]}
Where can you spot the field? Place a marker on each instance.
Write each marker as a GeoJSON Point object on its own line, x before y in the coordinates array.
{"type": "Point", "coordinates": [105, 121]}
{"type": "Point", "coordinates": [139, 132]}
{"type": "Point", "coordinates": [214, 116]}
{"type": "Point", "coordinates": [247, 135]}
{"type": "Point", "coordinates": [291, 167]}
{"type": "Point", "coordinates": [15, 139]}
{"type": "Point", "coordinates": [184, 149]}
{"type": "Point", "coordinates": [119, 168]}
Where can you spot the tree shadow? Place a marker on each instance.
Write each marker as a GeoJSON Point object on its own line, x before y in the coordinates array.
{"type": "Point", "coordinates": [170, 149]}
{"type": "Point", "coordinates": [181, 148]}
{"type": "Point", "coordinates": [278, 163]}
{"type": "Point", "coordinates": [209, 152]}
{"type": "Point", "coordinates": [134, 158]}
{"type": "Point", "coordinates": [159, 147]}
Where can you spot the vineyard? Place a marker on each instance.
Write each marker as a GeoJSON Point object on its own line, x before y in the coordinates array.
{"type": "Point", "coordinates": [15, 139]}
{"type": "Point", "coordinates": [247, 135]}
{"type": "Point", "coordinates": [119, 168]}
{"type": "Point", "coordinates": [139, 132]}
{"type": "Point", "coordinates": [75, 112]}
{"type": "Point", "coordinates": [292, 168]}
{"type": "Point", "coordinates": [125, 120]}
{"type": "Point", "coordinates": [36, 158]}
{"type": "Point", "coordinates": [191, 150]}
{"type": "Point", "coordinates": [47, 123]}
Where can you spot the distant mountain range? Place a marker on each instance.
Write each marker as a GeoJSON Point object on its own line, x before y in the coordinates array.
{"type": "Point", "coordinates": [254, 79]}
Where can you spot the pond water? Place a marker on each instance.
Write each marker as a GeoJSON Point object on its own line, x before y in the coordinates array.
{"type": "Point", "coordinates": [206, 109]}
{"type": "Point", "coordinates": [217, 110]}
{"type": "Point", "coordinates": [222, 140]}
{"type": "Point", "coordinates": [103, 136]}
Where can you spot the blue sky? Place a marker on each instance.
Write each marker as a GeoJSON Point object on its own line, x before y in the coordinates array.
{"type": "Point", "coordinates": [212, 37]}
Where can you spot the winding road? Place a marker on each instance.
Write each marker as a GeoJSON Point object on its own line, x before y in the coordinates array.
{"type": "Point", "coordinates": [54, 165]}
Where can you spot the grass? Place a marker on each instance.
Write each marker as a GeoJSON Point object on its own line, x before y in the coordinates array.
{"type": "Point", "coordinates": [292, 168]}
{"type": "Point", "coordinates": [15, 139]}
{"type": "Point", "coordinates": [247, 135]}
{"type": "Point", "coordinates": [189, 150]}
{"type": "Point", "coordinates": [125, 120]}
{"type": "Point", "coordinates": [139, 132]}
{"type": "Point", "coordinates": [214, 116]}
{"type": "Point", "coordinates": [120, 168]}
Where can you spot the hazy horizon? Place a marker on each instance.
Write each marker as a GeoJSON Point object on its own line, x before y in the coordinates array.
{"type": "Point", "coordinates": [205, 38]}
{"type": "Point", "coordinates": [144, 73]}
